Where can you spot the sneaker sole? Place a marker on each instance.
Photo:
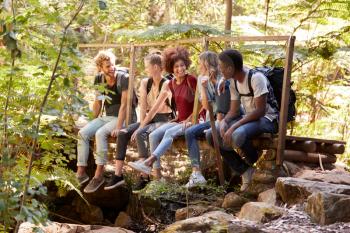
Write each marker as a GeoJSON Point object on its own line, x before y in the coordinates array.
{"type": "Point", "coordinates": [137, 168]}
{"type": "Point", "coordinates": [115, 185]}
{"type": "Point", "coordinates": [95, 189]}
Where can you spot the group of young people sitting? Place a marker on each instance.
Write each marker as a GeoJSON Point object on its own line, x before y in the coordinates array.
{"type": "Point", "coordinates": [166, 108]}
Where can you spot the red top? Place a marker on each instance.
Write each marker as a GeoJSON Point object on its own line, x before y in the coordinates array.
{"type": "Point", "coordinates": [184, 96]}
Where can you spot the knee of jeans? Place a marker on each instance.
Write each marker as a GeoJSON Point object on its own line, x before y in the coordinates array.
{"type": "Point", "coordinates": [238, 138]}
{"type": "Point", "coordinates": [82, 135]}
{"type": "Point", "coordinates": [121, 134]}
{"type": "Point", "coordinates": [188, 133]}
{"type": "Point", "coordinates": [209, 137]}
{"type": "Point", "coordinates": [101, 133]}
{"type": "Point", "coordinates": [139, 135]}
{"type": "Point", "coordinates": [153, 136]}
{"type": "Point", "coordinates": [168, 134]}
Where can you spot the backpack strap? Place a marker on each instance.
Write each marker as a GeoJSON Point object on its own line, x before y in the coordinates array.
{"type": "Point", "coordinates": [149, 85]}
{"type": "Point", "coordinates": [251, 91]}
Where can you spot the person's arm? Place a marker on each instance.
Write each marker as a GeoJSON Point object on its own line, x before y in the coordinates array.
{"type": "Point", "coordinates": [203, 94]}
{"type": "Point", "coordinates": [260, 103]}
{"type": "Point", "coordinates": [158, 105]}
{"type": "Point", "coordinates": [232, 113]}
{"type": "Point", "coordinates": [121, 114]}
{"type": "Point", "coordinates": [143, 99]}
{"type": "Point", "coordinates": [96, 108]}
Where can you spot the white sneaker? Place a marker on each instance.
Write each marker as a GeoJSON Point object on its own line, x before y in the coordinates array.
{"type": "Point", "coordinates": [196, 178]}
{"type": "Point", "coordinates": [140, 166]}
{"type": "Point", "coordinates": [247, 178]}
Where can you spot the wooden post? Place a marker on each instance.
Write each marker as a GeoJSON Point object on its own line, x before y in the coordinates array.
{"type": "Point", "coordinates": [131, 86]}
{"type": "Point", "coordinates": [282, 127]}
{"type": "Point", "coordinates": [214, 134]}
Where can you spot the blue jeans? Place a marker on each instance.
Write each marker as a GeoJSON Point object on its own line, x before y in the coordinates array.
{"type": "Point", "coordinates": [242, 139]}
{"type": "Point", "coordinates": [101, 128]}
{"type": "Point", "coordinates": [124, 136]}
{"type": "Point", "coordinates": [161, 139]}
{"type": "Point", "coordinates": [191, 135]}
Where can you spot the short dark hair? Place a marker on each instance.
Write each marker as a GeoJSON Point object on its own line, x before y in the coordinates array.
{"type": "Point", "coordinates": [233, 58]}
{"type": "Point", "coordinates": [172, 55]}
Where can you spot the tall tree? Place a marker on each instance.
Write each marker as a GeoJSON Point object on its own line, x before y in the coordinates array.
{"type": "Point", "coordinates": [228, 19]}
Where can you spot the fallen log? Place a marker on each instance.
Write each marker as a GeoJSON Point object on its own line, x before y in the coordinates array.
{"type": "Point", "coordinates": [326, 148]}
{"type": "Point", "coordinates": [300, 156]}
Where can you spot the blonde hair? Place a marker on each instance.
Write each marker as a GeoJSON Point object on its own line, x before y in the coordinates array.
{"type": "Point", "coordinates": [104, 55]}
{"type": "Point", "coordinates": [211, 62]}
{"type": "Point", "coordinates": [154, 58]}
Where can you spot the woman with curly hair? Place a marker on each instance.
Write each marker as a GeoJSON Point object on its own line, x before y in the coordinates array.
{"type": "Point", "coordinates": [182, 87]}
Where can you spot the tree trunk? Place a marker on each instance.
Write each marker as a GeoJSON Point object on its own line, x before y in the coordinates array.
{"type": "Point", "coordinates": [167, 15]}
{"type": "Point", "coordinates": [228, 16]}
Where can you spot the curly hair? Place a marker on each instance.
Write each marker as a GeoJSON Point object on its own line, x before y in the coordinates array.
{"type": "Point", "coordinates": [104, 55]}
{"type": "Point", "coordinates": [172, 55]}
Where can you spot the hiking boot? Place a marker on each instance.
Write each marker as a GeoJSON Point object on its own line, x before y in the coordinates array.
{"type": "Point", "coordinates": [94, 184]}
{"type": "Point", "coordinates": [141, 184]}
{"type": "Point", "coordinates": [141, 167]}
{"type": "Point", "coordinates": [83, 179]}
{"type": "Point", "coordinates": [114, 182]}
{"type": "Point", "coordinates": [247, 178]}
{"type": "Point", "coordinates": [196, 178]}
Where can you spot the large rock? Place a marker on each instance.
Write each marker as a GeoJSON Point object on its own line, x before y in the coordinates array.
{"type": "Point", "coordinates": [233, 201]}
{"type": "Point", "coordinates": [88, 213]}
{"type": "Point", "coordinates": [192, 211]}
{"type": "Point", "coordinates": [123, 220]}
{"type": "Point", "coordinates": [264, 176]}
{"type": "Point", "coordinates": [334, 176]}
{"type": "Point", "coordinates": [328, 208]}
{"type": "Point", "coordinates": [215, 221]}
{"type": "Point", "coordinates": [296, 190]}
{"type": "Point", "coordinates": [260, 212]}
{"type": "Point", "coordinates": [291, 168]}
{"type": "Point", "coordinates": [268, 196]}
{"type": "Point", "coordinates": [55, 227]}
{"type": "Point", "coordinates": [116, 198]}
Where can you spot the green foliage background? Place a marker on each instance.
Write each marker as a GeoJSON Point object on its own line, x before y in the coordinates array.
{"type": "Point", "coordinates": [31, 31]}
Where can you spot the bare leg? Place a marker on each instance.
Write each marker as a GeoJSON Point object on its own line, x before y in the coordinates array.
{"type": "Point", "coordinates": [99, 171]}
{"type": "Point", "coordinates": [81, 170]}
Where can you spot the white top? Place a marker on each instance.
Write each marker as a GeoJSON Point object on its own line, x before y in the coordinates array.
{"type": "Point", "coordinates": [259, 84]}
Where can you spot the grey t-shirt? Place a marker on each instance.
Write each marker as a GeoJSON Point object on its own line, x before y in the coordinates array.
{"type": "Point", "coordinates": [260, 87]}
{"type": "Point", "coordinates": [113, 94]}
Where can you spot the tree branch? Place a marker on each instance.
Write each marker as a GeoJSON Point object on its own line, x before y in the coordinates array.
{"type": "Point", "coordinates": [36, 151]}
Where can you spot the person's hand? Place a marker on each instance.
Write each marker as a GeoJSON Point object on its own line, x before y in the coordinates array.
{"type": "Point", "coordinates": [174, 120]}
{"type": "Point", "coordinates": [133, 136]}
{"type": "Point", "coordinates": [115, 132]}
{"type": "Point", "coordinates": [204, 82]}
{"type": "Point", "coordinates": [228, 136]}
{"type": "Point", "coordinates": [221, 86]}
{"type": "Point", "coordinates": [185, 124]}
{"type": "Point", "coordinates": [222, 127]}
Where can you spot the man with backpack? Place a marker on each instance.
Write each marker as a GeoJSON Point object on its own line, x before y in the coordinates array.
{"type": "Point", "coordinates": [111, 98]}
{"type": "Point", "coordinates": [252, 90]}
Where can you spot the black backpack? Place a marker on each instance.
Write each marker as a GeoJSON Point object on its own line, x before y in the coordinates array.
{"type": "Point", "coordinates": [171, 103]}
{"type": "Point", "coordinates": [275, 77]}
